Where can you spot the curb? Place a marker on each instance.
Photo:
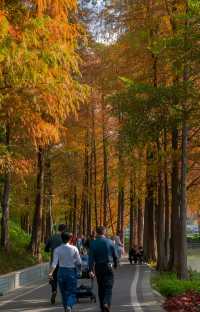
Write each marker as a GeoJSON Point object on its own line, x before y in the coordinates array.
{"type": "Point", "coordinates": [18, 279]}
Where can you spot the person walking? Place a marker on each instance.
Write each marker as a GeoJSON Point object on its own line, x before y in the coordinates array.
{"type": "Point", "coordinates": [119, 246]}
{"type": "Point", "coordinates": [52, 243]}
{"type": "Point", "coordinates": [140, 255]}
{"type": "Point", "coordinates": [133, 255]}
{"type": "Point", "coordinates": [88, 241]}
{"type": "Point", "coordinates": [69, 261]}
{"type": "Point", "coordinates": [102, 256]}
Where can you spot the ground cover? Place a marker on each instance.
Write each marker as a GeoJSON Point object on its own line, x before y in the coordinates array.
{"type": "Point", "coordinates": [193, 237]}
{"type": "Point", "coordinates": [168, 284]}
{"type": "Point", "coordinates": [189, 302]}
{"type": "Point", "coordinates": [19, 257]}
{"type": "Point", "coordinates": [182, 296]}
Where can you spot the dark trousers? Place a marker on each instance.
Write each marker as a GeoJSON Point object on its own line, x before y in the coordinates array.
{"type": "Point", "coordinates": [105, 281]}
{"type": "Point", "coordinates": [54, 281]}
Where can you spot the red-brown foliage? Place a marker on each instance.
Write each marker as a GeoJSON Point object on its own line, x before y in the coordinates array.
{"type": "Point", "coordinates": [188, 302]}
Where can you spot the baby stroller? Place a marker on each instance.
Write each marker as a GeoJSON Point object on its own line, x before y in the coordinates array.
{"type": "Point", "coordinates": [86, 285]}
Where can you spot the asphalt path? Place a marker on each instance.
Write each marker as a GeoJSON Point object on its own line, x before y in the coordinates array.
{"type": "Point", "coordinates": [132, 292]}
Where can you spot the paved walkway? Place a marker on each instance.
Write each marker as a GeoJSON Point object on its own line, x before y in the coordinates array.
{"type": "Point", "coordinates": [132, 292]}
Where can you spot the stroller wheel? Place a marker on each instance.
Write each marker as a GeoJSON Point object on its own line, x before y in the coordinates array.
{"type": "Point", "coordinates": [93, 299]}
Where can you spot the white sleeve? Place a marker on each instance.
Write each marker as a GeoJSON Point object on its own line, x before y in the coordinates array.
{"type": "Point", "coordinates": [77, 257]}
{"type": "Point", "coordinates": [55, 258]}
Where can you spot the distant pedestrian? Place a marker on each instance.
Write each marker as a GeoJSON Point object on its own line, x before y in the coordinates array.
{"type": "Point", "coordinates": [69, 260]}
{"type": "Point", "coordinates": [133, 255]}
{"type": "Point", "coordinates": [140, 255]}
{"type": "Point", "coordinates": [79, 243]}
{"type": "Point", "coordinates": [102, 256]}
{"type": "Point", "coordinates": [52, 243]}
{"type": "Point", "coordinates": [119, 246]}
{"type": "Point", "coordinates": [89, 240]}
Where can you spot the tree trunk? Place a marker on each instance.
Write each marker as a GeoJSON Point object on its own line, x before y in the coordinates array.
{"type": "Point", "coordinates": [49, 197]}
{"type": "Point", "coordinates": [135, 226]}
{"type": "Point", "coordinates": [140, 223]}
{"type": "Point", "coordinates": [94, 153]}
{"type": "Point", "coordinates": [122, 215]}
{"type": "Point", "coordinates": [121, 187]}
{"type": "Point", "coordinates": [111, 216]}
{"type": "Point", "coordinates": [5, 241]}
{"type": "Point", "coordinates": [85, 192]}
{"type": "Point", "coordinates": [182, 263]}
{"type": "Point", "coordinates": [71, 213]}
{"type": "Point", "coordinates": [118, 212]}
{"type": "Point", "coordinates": [149, 215]}
{"type": "Point", "coordinates": [167, 206]}
{"type": "Point", "coordinates": [101, 205]}
{"type": "Point", "coordinates": [131, 214]}
{"type": "Point", "coordinates": [43, 236]}
{"type": "Point", "coordinates": [105, 167]}
{"type": "Point", "coordinates": [90, 194]}
{"type": "Point", "coordinates": [146, 231]}
{"type": "Point", "coordinates": [37, 219]}
{"type": "Point", "coordinates": [161, 216]}
{"type": "Point", "coordinates": [25, 223]}
{"type": "Point", "coordinates": [75, 212]}
{"type": "Point", "coordinates": [105, 189]}
{"type": "Point", "coordinates": [83, 215]}
{"type": "Point", "coordinates": [174, 240]}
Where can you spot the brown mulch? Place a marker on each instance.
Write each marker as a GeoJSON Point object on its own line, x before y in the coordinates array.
{"type": "Point", "coordinates": [188, 302]}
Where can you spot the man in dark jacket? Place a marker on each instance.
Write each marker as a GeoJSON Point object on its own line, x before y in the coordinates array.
{"type": "Point", "coordinates": [102, 257]}
{"type": "Point", "coordinates": [52, 243]}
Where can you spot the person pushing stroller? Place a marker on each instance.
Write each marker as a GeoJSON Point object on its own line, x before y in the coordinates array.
{"type": "Point", "coordinates": [51, 244]}
{"type": "Point", "coordinates": [133, 255]}
{"type": "Point", "coordinates": [69, 260]}
{"type": "Point", "coordinates": [136, 255]}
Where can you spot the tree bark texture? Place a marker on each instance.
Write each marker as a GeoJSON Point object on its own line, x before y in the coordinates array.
{"type": "Point", "coordinates": [149, 215]}
{"type": "Point", "coordinates": [131, 214]}
{"type": "Point", "coordinates": [5, 241]}
{"type": "Point", "coordinates": [37, 219]}
{"type": "Point", "coordinates": [175, 204]}
{"type": "Point", "coordinates": [160, 215]}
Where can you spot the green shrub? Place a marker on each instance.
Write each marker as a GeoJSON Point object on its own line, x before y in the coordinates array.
{"type": "Point", "coordinates": [19, 257]}
{"type": "Point", "coordinates": [193, 237]}
{"type": "Point", "coordinates": [168, 284]}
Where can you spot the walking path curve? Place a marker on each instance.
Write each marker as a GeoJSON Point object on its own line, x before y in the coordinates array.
{"type": "Point", "coordinates": [132, 292]}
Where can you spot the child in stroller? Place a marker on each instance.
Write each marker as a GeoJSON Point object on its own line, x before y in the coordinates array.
{"type": "Point", "coordinates": [84, 266]}
{"type": "Point", "coordinates": [85, 290]}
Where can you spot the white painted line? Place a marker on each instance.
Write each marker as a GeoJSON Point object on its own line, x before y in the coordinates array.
{"type": "Point", "coordinates": [22, 295]}
{"type": "Point", "coordinates": [134, 296]}
{"type": "Point", "coordinates": [160, 297]}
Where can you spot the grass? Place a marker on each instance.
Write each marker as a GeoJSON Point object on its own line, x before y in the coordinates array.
{"type": "Point", "coordinates": [194, 237]}
{"type": "Point", "coordinates": [19, 257]}
{"type": "Point", "coordinates": [168, 284]}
